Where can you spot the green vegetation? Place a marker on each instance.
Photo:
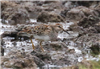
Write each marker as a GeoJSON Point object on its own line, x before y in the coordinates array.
{"type": "Point", "coordinates": [90, 65]}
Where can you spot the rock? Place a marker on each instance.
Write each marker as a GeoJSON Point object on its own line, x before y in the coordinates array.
{"type": "Point", "coordinates": [2, 51]}
{"type": "Point", "coordinates": [58, 46]}
{"type": "Point", "coordinates": [2, 42]}
{"type": "Point", "coordinates": [86, 3]}
{"type": "Point", "coordinates": [89, 40]}
{"type": "Point", "coordinates": [86, 63]}
{"type": "Point", "coordinates": [90, 24]}
{"type": "Point", "coordinates": [51, 5]}
{"type": "Point", "coordinates": [95, 48]}
{"type": "Point", "coordinates": [4, 59]}
{"type": "Point", "coordinates": [91, 30]}
{"type": "Point", "coordinates": [13, 13]}
{"type": "Point", "coordinates": [1, 62]}
{"type": "Point", "coordinates": [40, 58]}
{"type": "Point", "coordinates": [17, 60]}
{"type": "Point", "coordinates": [71, 51]}
{"type": "Point", "coordinates": [38, 2]}
{"type": "Point", "coordinates": [70, 67]}
{"type": "Point", "coordinates": [49, 17]}
{"type": "Point", "coordinates": [14, 34]}
{"type": "Point", "coordinates": [32, 9]}
{"type": "Point", "coordinates": [97, 27]}
{"type": "Point", "coordinates": [75, 28]}
{"type": "Point", "coordinates": [50, 1]}
{"type": "Point", "coordinates": [39, 62]}
{"type": "Point", "coordinates": [25, 62]}
{"type": "Point", "coordinates": [80, 12]}
{"type": "Point", "coordinates": [10, 34]}
{"type": "Point", "coordinates": [63, 61]}
{"type": "Point", "coordinates": [7, 64]}
{"type": "Point", "coordinates": [97, 8]}
{"type": "Point", "coordinates": [34, 13]}
{"type": "Point", "coordinates": [88, 21]}
{"type": "Point", "coordinates": [68, 5]}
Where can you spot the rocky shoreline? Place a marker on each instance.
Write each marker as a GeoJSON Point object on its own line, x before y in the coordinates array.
{"type": "Point", "coordinates": [80, 18]}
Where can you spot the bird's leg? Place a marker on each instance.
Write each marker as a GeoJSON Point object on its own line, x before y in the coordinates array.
{"type": "Point", "coordinates": [41, 46]}
{"type": "Point", "coordinates": [32, 42]}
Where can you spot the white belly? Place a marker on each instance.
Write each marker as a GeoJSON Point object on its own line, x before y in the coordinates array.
{"type": "Point", "coordinates": [42, 37]}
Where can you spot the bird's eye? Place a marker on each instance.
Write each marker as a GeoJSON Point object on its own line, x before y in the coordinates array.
{"type": "Point", "coordinates": [59, 26]}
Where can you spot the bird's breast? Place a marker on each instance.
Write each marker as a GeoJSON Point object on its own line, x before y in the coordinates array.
{"type": "Point", "coordinates": [42, 37]}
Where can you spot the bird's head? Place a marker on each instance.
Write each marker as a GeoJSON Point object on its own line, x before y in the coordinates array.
{"type": "Point", "coordinates": [59, 28]}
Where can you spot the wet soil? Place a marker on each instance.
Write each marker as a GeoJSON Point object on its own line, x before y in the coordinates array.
{"type": "Point", "coordinates": [81, 20]}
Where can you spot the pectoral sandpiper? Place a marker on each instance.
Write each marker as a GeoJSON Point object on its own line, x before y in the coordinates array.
{"type": "Point", "coordinates": [42, 32]}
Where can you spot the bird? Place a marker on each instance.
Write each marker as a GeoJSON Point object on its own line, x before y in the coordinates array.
{"type": "Point", "coordinates": [42, 32]}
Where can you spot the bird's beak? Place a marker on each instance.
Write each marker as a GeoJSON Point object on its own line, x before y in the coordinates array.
{"type": "Point", "coordinates": [65, 31]}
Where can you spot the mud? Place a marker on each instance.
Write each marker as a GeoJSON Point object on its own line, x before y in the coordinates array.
{"type": "Point", "coordinates": [80, 19]}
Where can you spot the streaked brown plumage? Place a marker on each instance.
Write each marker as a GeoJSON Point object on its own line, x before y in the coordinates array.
{"type": "Point", "coordinates": [42, 32]}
